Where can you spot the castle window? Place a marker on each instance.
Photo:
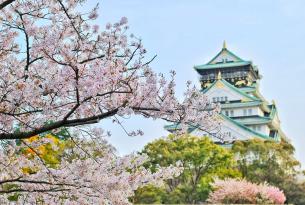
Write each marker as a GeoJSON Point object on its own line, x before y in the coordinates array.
{"type": "Point", "coordinates": [226, 99]}
{"type": "Point", "coordinates": [221, 99]}
{"type": "Point", "coordinates": [204, 77]}
{"type": "Point", "coordinates": [258, 128]}
{"type": "Point", "coordinates": [214, 99]}
{"type": "Point", "coordinates": [232, 113]}
{"type": "Point", "coordinates": [238, 74]}
{"type": "Point", "coordinates": [245, 112]}
{"type": "Point", "coordinates": [249, 111]}
{"type": "Point", "coordinates": [227, 113]}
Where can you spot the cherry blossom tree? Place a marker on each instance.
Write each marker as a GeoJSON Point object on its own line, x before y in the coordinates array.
{"type": "Point", "coordinates": [244, 192]}
{"type": "Point", "coordinates": [59, 70]}
{"type": "Point", "coordinates": [92, 174]}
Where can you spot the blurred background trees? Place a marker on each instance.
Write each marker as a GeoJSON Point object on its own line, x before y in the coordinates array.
{"type": "Point", "coordinates": [256, 161]}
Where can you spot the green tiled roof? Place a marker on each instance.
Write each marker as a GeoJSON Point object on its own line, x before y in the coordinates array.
{"type": "Point", "coordinates": [273, 110]}
{"type": "Point", "coordinates": [240, 125]}
{"type": "Point", "coordinates": [222, 65]}
{"type": "Point", "coordinates": [241, 104]}
{"type": "Point", "coordinates": [172, 127]}
{"type": "Point", "coordinates": [235, 61]}
{"type": "Point", "coordinates": [177, 126]}
{"type": "Point", "coordinates": [225, 50]}
{"type": "Point", "coordinates": [248, 120]}
{"type": "Point", "coordinates": [246, 128]}
{"type": "Point", "coordinates": [252, 120]}
{"type": "Point", "coordinates": [248, 89]}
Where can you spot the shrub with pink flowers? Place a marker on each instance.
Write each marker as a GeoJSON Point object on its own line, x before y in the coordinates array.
{"type": "Point", "coordinates": [243, 192]}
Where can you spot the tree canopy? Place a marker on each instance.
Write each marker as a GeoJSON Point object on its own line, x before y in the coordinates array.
{"type": "Point", "coordinates": [202, 161]}
{"type": "Point", "coordinates": [257, 161]}
{"type": "Point", "coordinates": [272, 162]}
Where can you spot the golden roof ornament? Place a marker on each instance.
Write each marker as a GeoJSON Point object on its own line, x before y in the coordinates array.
{"type": "Point", "coordinates": [219, 76]}
{"type": "Point", "coordinates": [224, 46]}
{"type": "Point", "coordinates": [273, 102]}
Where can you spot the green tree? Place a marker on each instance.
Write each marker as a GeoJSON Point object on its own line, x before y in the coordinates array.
{"type": "Point", "coordinates": [202, 161]}
{"type": "Point", "coordinates": [294, 190]}
{"type": "Point", "coordinates": [273, 162]}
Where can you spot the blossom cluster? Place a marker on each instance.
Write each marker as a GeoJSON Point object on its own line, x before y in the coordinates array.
{"type": "Point", "coordinates": [59, 70]}
{"type": "Point", "coordinates": [58, 66]}
{"type": "Point", "coordinates": [241, 191]}
{"type": "Point", "coordinates": [89, 172]}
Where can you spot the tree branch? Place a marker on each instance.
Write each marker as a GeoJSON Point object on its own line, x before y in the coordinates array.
{"type": "Point", "coordinates": [58, 124]}
{"type": "Point", "coordinates": [6, 3]}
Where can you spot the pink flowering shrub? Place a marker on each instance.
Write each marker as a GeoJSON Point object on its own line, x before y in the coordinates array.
{"type": "Point", "coordinates": [241, 191]}
{"type": "Point", "coordinates": [272, 193]}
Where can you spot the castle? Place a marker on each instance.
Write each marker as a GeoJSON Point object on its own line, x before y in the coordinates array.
{"type": "Point", "coordinates": [234, 83]}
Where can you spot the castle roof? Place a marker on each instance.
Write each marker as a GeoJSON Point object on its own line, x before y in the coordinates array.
{"type": "Point", "coordinates": [224, 59]}
{"type": "Point", "coordinates": [174, 127]}
{"type": "Point", "coordinates": [232, 87]}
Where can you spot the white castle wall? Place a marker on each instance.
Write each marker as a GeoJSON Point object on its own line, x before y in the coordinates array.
{"type": "Point", "coordinates": [238, 112]}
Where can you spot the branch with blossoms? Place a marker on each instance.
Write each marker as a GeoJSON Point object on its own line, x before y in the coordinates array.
{"type": "Point", "coordinates": [59, 70]}
{"type": "Point", "coordinates": [89, 172]}
{"type": "Point", "coordinates": [5, 3]}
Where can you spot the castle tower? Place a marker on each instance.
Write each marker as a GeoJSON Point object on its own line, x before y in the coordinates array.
{"type": "Point", "coordinates": [234, 83]}
{"type": "Point", "coordinates": [233, 69]}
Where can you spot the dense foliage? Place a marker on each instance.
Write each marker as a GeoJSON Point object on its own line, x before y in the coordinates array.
{"type": "Point", "coordinates": [257, 161]}
{"type": "Point", "coordinates": [202, 161]}
{"type": "Point", "coordinates": [273, 162]}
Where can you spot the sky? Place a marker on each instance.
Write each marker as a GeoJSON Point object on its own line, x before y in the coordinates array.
{"type": "Point", "coordinates": [186, 33]}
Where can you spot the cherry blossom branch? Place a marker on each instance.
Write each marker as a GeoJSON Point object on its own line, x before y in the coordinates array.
{"type": "Point", "coordinates": [6, 3]}
{"type": "Point", "coordinates": [59, 70]}
{"type": "Point", "coordinates": [55, 125]}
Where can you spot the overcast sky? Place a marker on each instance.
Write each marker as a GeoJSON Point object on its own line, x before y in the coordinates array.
{"type": "Point", "coordinates": [186, 33]}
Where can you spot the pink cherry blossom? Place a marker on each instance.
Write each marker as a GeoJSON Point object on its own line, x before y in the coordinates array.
{"type": "Point", "coordinates": [80, 178]}
{"type": "Point", "coordinates": [242, 191]}
{"type": "Point", "coordinates": [59, 72]}
{"type": "Point", "coordinates": [54, 68]}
